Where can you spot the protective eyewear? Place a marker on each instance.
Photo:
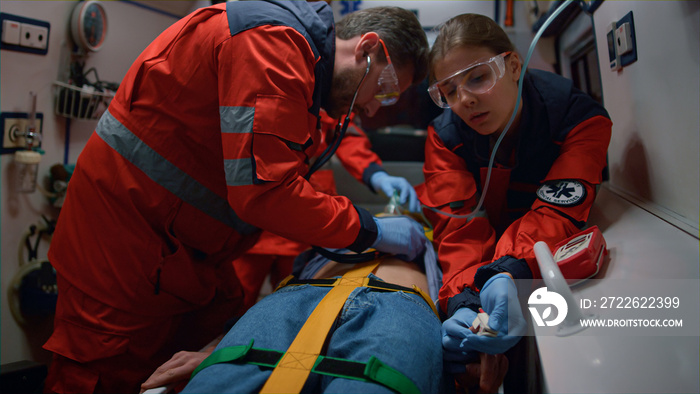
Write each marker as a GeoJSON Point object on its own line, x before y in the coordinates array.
{"type": "Point", "coordinates": [478, 78]}
{"type": "Point", "coordinates": [388, 82]}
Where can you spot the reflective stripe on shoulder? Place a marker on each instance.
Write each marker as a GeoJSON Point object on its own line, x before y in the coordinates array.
{"type": "Point", "coordinates": [168, 175]}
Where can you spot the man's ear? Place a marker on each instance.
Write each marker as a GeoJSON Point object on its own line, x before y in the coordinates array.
{"type": "Point", "coordinates": [368, 44]}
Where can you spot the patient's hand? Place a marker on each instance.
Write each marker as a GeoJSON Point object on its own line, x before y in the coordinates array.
{"type": "Point", "coordinates": [485, 376]}
{"type": "Point", "coordinates": [178, 369]}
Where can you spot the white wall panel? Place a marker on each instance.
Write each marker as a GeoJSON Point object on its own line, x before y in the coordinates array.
{"type": "Point", "coordinates": [131, 29]}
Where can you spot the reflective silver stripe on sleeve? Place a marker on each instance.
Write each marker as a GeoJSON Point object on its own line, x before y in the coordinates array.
{"type": "Point", "coordinates": [236, 119]}
{"type": "Point", "coordinates": [167, 174]}
{"type": "Point", "coordinates": [239, 172]}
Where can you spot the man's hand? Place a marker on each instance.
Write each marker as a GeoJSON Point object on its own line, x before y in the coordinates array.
{"type": "Point", "coordinates": [388, 184]}
{"type": "Point", "coordinates": [401, 236]}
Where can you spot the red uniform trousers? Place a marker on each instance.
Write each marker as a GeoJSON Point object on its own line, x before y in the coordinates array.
{"type": "Point", "coordinates": [252, 269]}
{"type": "Point", "coordinates": [135, 344]}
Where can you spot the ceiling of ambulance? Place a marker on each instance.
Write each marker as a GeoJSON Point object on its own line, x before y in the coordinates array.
{"type": "Point", "coordinates": [176, 7]}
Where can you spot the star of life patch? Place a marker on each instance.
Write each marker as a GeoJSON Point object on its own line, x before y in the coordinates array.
{"type": "Point", "coordinates": [562, 192]}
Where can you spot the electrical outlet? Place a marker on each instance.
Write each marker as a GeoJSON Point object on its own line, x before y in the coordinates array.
{"type": "Point", "coordinates": [24, 34]}
{"type": "Point", "coordinates": [16, 123]}
{"type": "Point", "coordinates": [626, 33]}
{"type": "Point", "coordinates": [33, 36]}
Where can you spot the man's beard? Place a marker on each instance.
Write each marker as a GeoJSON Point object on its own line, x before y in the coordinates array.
{"type": "Point", "coordinates": [343, 89]}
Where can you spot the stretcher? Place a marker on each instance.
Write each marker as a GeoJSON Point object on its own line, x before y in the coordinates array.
{"type": "Point", "coordinates": [292, 367]}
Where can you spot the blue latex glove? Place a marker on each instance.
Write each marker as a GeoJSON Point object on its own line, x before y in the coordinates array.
{"type": "Point", "coordinates": [386, 183]}
{"type": "Point", "coordinates": [455, 335]}
{"type": "Point", "coordinates": [499, 298]}
{"type": "Point", "coordinates": [401, 236]}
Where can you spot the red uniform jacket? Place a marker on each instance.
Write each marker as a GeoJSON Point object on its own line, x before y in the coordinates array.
{"type": "Point", "coordinates": [356, 156]}
{"type": "Point", "coordinates": [544, 194]}
{"type": "Point", "coordinates": [206, 141]}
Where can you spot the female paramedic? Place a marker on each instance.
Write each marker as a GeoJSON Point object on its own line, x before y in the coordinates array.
{"type": "Point", "coordinates": [546, 167]}
{"type": "Point", "coordinates": [207, 140]}
{"type": "Point", "coordinates": [274, 255]}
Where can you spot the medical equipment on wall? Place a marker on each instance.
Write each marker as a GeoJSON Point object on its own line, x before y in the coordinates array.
{"type": "Point", "coordinates": [59, 175]}
{"type": "Point", "coordinates": [32, 293]}
{"type": "Point", "coordinates": [82, 95]}
{"type": "Point", "coordinates": [26, 161]}
{"type": "Point", "coordinates": [89, 25]}
{"type": "Point", "coordinates": [26, 170]}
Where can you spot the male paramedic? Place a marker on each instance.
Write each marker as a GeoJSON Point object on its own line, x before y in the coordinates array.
{"type": "Point", "coordinates": [208, 140]}
{"type": "Point", "coordinates": [274, 255]}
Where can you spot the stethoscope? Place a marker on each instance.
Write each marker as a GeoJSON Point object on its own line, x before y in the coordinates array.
{"type": "Point", "coordinates": [339, 132]}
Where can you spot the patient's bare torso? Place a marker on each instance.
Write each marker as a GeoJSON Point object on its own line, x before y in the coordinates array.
{"type": "Point", "coordinates": [390, 270]}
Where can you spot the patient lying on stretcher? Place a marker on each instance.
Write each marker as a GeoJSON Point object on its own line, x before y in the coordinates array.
{"type": "Point", "coordinates": [397, 327]}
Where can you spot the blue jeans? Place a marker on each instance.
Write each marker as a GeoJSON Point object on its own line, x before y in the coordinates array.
{"type": "Point", "coordinates": [398, 328]}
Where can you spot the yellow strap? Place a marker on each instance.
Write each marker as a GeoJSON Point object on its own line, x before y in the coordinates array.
{"type": "Point", "coordinates": [427, 299]}
{"type": "Point", "coordinates": [293, 369]}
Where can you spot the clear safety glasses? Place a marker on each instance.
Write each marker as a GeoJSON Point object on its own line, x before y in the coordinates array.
{"type": "Point", "coordinates": [478, 78]}
{"type": "Point", "coordinates": [388, 82]}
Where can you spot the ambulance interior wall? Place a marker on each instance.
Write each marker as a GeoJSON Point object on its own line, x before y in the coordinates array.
{"type": "Point", "coordinates": [654, 104]}
{"type": "Point", "coordinates": [130, 29]}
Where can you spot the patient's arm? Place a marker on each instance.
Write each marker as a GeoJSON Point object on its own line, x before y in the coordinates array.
{"type": "Point", "coordinates": [179, 368]}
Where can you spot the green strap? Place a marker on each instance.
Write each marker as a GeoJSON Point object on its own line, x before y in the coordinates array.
{"type": "Point", "coordinates": [389, 377]}
{"type": "Point", "coordinates": [372, 371]}
{"type": "Point", "coordinates": [224, 355]}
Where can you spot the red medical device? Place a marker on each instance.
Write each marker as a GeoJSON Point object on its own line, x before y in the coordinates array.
{"type": "Point", "coordinates": [581, 256]}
